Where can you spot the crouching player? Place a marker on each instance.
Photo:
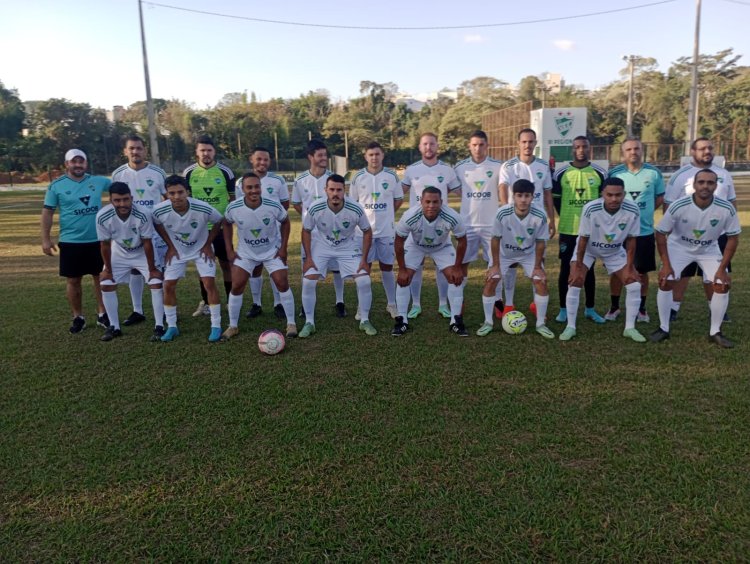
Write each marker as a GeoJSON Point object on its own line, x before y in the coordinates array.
{"type": "Point", "coordinates": [261, 243]}
{"type": "Point", "coordinates": [182, 223]}
{"type": "Point", "coordinates": [519, 237]}
{"type": "Point", "coordinates": [125, 233]}
{"type": "Point", "coordinates": [608, 226]}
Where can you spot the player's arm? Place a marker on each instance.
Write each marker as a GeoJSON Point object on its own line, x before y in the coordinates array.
{"type": "Point", "coordinates": [105, 248]}
{"type": "Point", "coordinates": [539, 250]}
{"type": "Point", "coordinates": [549, 207]}
{"type": "Point", "coordinates": [502, 193]}
{"type": "Point", "coordinates": [721, 279]}
{"type": "Point", "coordinates": [404, 275]}
{"type": "Point", "coordinates": [630, 273]}
{"type": "Point", "coordinates": [230, 182]}
{"type": "Point", "coordinates": [48, 247]}
{"type": "Point", "coordinates": [227, 232]}
{"type": "Point", "coordinates": [397, 204]}
{"type": "Point", "coordinates": [577, 268]}
{"type": "Point", "coordinates": [455, 274]}
{"type": "Point", "coordinates": [148, 248]}
{"type": "Point", "coordinates": [405, 188]}
{"type": "Point", "coordinates": [665, 272]}
{"type": "Point", "coordinates": [557, 192]}
{"type": "Point", "coordinates": [494, 270]}
{"type": "Point", "coordinates": [207, 251]}
{"type": "Point", "coordinates": [171, 249]}
{"type": "Point", "coordinates": [307, 246]}
{"type": "Point", "coordinates": [659, 201]}
{"type": "Point", "coordinates": [285, 228]}
{"type": "Point", "coordinates": [364, 266]}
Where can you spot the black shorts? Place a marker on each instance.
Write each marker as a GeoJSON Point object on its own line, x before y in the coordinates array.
{"type": "Point", "coordinates": [220, 250]}
{"type": "Point", "coordinates": [80, 259]}
{"type": "Point", "coordinates": [567, 246]}
{"type": "Point", "coordinates": [692, 269]}
{"type": "Point", "coordinates": [645, 253]}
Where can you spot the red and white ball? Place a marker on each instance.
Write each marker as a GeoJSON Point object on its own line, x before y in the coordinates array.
{"type": "Point", "coordinates": [271, 342]}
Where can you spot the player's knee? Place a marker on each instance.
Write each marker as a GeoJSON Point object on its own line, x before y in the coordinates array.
{"type": "Point", "coordinates": [386, 267]}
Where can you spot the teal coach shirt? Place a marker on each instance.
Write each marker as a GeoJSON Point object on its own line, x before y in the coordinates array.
{"type": "Point", "coordinates": [643, 187]}
{"type": "Point", "coordinates": [79, 203]}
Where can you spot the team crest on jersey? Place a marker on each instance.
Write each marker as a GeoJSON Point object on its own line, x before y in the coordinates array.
{"type": "Point", "coordinates": [217, 180]}
{"type": "Point", "coordinates": [67, 192]}
{"type": "Point", "coordinates": [439, 232]}
{"type": "Point", "coordinates": [385, 185]}
{"type": "Point", "coordinates": [622, 226]}
{"type": "Point", "coordinates": [714, 222]}
{"type": "Point", "coordinates": [441, 178]}
{"type": "Point", "coordinates": [698, 233]}
{"type": "Point", "coordinates": [579, 192]}
{"type": "Point", "coordinates": [346, 224]}
{"type": "Point", "coordinates": [266, 221]}
{"type": "Point", "coordinates": [208, 190]}
{"type": "Point", "coordinates": [91, 187]}
{"type": "Point", "coordinates": [591, 181]}
{"type": "Point", "coordinates": [270, 189]}
{"type": "Point", "coordinates": [127, 243]}
{"type": "Point", "coordinates": [479, 184]}
{"type": "Point", "coordinates": [134, 230]}
{"type": "Point", "coordinates": [150, 182]}
{"type": "Point", "coordinates": [85, 200]}
{"type": "Point", "coordinates": [539, 174]}
{"type": "Point", "coordinates": [375, 196]}
{"type": "Point", "coordinates": [530, 230]}
{"type": "Point", "coordinates": [193, 224]}
{"type": "Point", "coordinates": [140, 192]}
{"type": "Point", "coordinates": [336, 234]}
{"type": "Point", "coordinates": [609, 237]}
{"type": "Point", "coordinates": [255, 232]}
{"type": "Point", "coordinates": [489, 174]}
{"type": "Point", "coordinates": [564, 122]}
{"type": "Point", "coordinates": [563, 247]}
{"type": "Point", "coordinates": [520, 240]}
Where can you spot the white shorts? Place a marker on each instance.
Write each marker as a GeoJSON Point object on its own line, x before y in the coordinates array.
{"type": "Point", "coordinates": [271, 265]}
{"type": "Point", "coordinates": [612, 263]}
{"type": "Point", "coordinates": [381, 250]}
{"type": "Point", "coordinates": [414, 255]}
{"type": "Point", "coordinates": [476, 239]}
{"type": "Point", "coordinates": [346, 261]}
{"type": "Point", "coordinates": [121, 270]}
{"type": "Point", "coordinates": [526, 262]}
{"type": "Point", "coordinates": [679, 259]}
{"type": "Point", "coordinates": [176, 270]}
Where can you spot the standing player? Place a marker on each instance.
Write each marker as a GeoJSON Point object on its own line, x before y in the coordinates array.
{"type": "Point", "coordinates": [479, 176]}
{"type": "Point", "coordinates": [425, 230]}
{"type": "Point", "coordinates": [607, 228]}
{"type": "Point", "coordinates": [680, 185]}
{"type": "Point", "coordinates": [309, 187]}
{"type": "Point", "coordinates": [429, 171]}
{"type": "Point", "coordinates": [689, 232]}
{"type": "Point", "coordinates": [125, 232]}
{"type": "Point", "coordinates": [336, 220]}
{"type": "Point", "coordinates": [211, 183]}
{"type": "Point", "coordinates": [273, 188]}
{"type": "Point", "coordinates": [263, 232]}
{"type": "Point", "coordinates": [378, 190]}
{"type": "Point", "coordinates": [645, 186]}
{"type": "Point", "coordinates": [520, 237]}
{"type": "Point", "coordinates": [537, 171]}
{"type": "Point", "coordinates": [183, 224]}
{"type": "Point", "coordinates": [79, 197]}
{"type": "Point", "coordinates": [146, 182]}
{"type": "Point", "coordinates": [573, 186]}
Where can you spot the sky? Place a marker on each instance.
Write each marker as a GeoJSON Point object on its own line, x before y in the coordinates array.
{"type": "Point", "coordinates": [90, 50]}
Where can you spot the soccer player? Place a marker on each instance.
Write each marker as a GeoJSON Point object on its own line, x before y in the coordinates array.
{"type": "Point", "coordinates": [645, 186]}
{"type": "Point", "coordinates": [680, 185]}
{"type": "Point", "coordinates": [309, 187]}
{"type": "Point", "coordinates": [79, 197]}
{"type": "Point", "coordinates": [607, 228]}
{"type": "Point", "coordinates": [689, 232]}
{"type": "Point", "coordinates": [263, 233]}
{"type": "Point", "coordinates": [479, 175]}
{"type": "Point", "coordinates": [537, 171]}
{"type": "Point", "coordinates": [336, 219]}
{"type": "Point", "coordinates": [273, 187]}
{"type": "Point", "coordinates": [425, 230]}
{"type": "Point", "coordinates": [573, 186]}
{"type": "Point", "coordinates": [429, 171]}
{"type": "Point", "coordinates": [183, 223]}
{"type": "Point", "coordinates": [520, 235]}
{"type": "Point", "coordinates": [125, 233]}
{"type": "Point", "coordinates": [146, 182]}
{"type": "Point", "coordinates": [211, 183]}
{"type": "Point", "coordinates": [378, 190]}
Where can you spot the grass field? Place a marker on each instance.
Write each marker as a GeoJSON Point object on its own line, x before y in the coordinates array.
{"type": "Point", "coordinates": [344, 447]}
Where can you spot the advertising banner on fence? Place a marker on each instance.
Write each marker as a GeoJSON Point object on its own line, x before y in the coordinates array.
{"type": "Point", "coordinates": [555, 130]}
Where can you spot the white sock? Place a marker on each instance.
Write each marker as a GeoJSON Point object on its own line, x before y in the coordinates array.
{"type": "Point", "coordinates": [338, 286]}
{"type": "Point", "coordinates": [111, 305]}
{"type": "Point", "coordinates": [276, 294]}
{"type": "Point", "coordinates": [137, 283]}
{"type": "Point", "coordinates": [235, 307]}
{"type": "Point", "coordinates": [541, 308]}
{"type": "Point", "coordinates": [456, 299]}
{"type": "Point", "coordinates": [488, 304]}
{"type": "Point", "coordinates": [157, 304]}
{"type": "Point", "coordinates": [403, 294]}
{"type": "Point", "coordinates": [287, 300]}
{"type": "Point", "coordinates": [571, 303]}
{"type": "Point", "coordinates": [663, 305]}
{"type": "Point", "coordinates": [389, 285]}
{"type": "Point", "coordinates": [171, 313]}
{"type": "Point", "coordinates": [364, 295]}
{"type": "Point", "coordinates": [443, 290]}
{"type": "Point", "coordinates": [308, 299]}
{"type": "Point", "coordinates": [215, 310]}
{"type": "Point", "coordinates": [416, 288]}
{"type": "Point", "coordinates": [719, 303]}
{"type": "Point", "coordinates": [256, 290]}
{"type": "Point", "coordinates": [509, 283]}
{"type": "Point", "coordinates": [632, 303]}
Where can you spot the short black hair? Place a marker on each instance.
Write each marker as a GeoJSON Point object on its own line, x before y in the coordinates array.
{"type": "Point", "coordinates": [523, 186]}
{"type": "Point", "coordinates": [174, 180]}
{"type": "Point", "coordinates": [335, 178]}
{"type": "Point", "coordinates": [479, 133]}
{"type": "Point", "coordinates": [315, 145]}
{"type": "Point", "coordinates": [374, 145]}
{"type": "Point", "coordinates": [526, 130]}
{"type": "Point", "coordinates": [582, 138]}
{"type": "Point", "coordinates": [248, 175]}
{"type": "Point", "coordinates": [205, 140]}
{"type": "Point", "coordinates": [705, 170]}
{"type": "Point", "coordinates": [263, 149]}
{"type": "Point", "coordinates": [432, 190]}
{"type": "Point", "coordinates": [613, 181]}
{"type": "Point", "coordinates": [134, 138]}
{"type": "Point", "coordinates": [119, 188]}
{"type": "Point", "coordinates": [695, 142]}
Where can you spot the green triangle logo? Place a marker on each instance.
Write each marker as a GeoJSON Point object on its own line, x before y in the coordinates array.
{"type": "Point", "coordinates": [375, 196]}
{"type": "Point", "coordinates": [127, 242]}
{"type": "Point", "coordinates": [520, 240]}
{"type": "Point", "coordinates": [479, 184]}
{"type": "Point", "coordinates": [698, 233]}
{"type": "Point", "coordinates": [140, 192]}
{"type": "Point", "coordinates": [609, 237]}
{"type": "Point", "coordinates": [255, 232]}
{"type": "Point", "coordinates": [336, 234]}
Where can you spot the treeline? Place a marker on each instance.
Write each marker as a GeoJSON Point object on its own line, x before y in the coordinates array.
{"type": "Point", "coordinates": [35, 135]}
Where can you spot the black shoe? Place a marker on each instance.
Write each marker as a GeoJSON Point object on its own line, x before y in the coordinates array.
{"type": "Point", "coordinates": [79, 324]}
{"type": "Point", "coordinates": [254, 311]}
{"type": "Point", "coordinates": [278, 310]}
{"type": "Point", "coordinates": [110, 334]}
{"type": "Point", "coordinates": [659, 335]}
{"type": "Point", "coordinates": [158, 333]}
{"type": "Point", "coordinates": [134, 319]}
{"type": "Point", "coordinates": [457, 327]}
{"type": "Point", "coordinates": [400, 328]}
{"type": "Point", "coordinates": [721, 340]}
{"type": "Point", "coordinates": [102, 320]}
{"type": "Point", "coordinates": [340, 309]}
{"type": "Point", "coordinates": [672, 315]}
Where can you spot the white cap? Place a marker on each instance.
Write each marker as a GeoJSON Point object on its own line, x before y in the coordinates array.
{"type": "Point", "coordinates": [73, 153]}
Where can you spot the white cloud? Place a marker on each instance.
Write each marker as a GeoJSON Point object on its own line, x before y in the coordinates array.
{"type": "Point", "coordinates": [564, 44]}
{"type": "Point", "coordinates": [476, 38]}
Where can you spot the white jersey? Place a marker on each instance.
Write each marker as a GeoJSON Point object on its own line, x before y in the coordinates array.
{"type": "Point", "coordinates": [307, 189]}
{"type": "Point", "coordinates": [126, 234]}
{"type": "Point", "coordinates": [518, 236]}
{"type": "Point", "coordinates": [378, 194]}
{"type": "Point", "coordinates": [681, 184]}
{"type": "Point", "coordinates": [188, 232]}
{"type": "Point", "coordinates": [273, 187]}
{"type": "Point", "coordinates": [479, 195]}
{"type": "Point", "coordinates": [537, 172]}
{"type": "Point", "coordinates": [430, 235]}
{"type": "Point", "coordinates": [695, 230]}
{"type": "Point", "coordinates": [607, 231]}
{"type": "Point", "coordinates": [336, 229]}
{"type": "Point", "coordinates": [419, 176]}
{"type": "Point", "coordinates": [257, 229]}
{"type": "Point", "coordinates": [146, 185]}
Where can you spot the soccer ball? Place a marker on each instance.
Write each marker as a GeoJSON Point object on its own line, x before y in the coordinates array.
{"type": "Point", "coordinates": [514, 323]}
{"type": "Point", "coordinates": [271, 341]}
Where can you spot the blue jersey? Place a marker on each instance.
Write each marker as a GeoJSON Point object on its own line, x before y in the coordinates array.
{"type": "Point", "coordinates": [79, 202]}
{"type": "Point", "coordinates": [643, 187]}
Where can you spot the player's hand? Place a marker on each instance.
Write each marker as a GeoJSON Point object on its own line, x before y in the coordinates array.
{"type": "Point", "coordinates": [722, 282]}
{"type": "Point", "coordinates": [49, 248]}
{"type": "Point", "coordinates": [552, 229]}
{"type": "Point", "coordinates": [492, 273]}
{"type": "Point", "coordinates": [631, 275]}
{"type": "Point", "coordinates": [666, 275]}
{"type": "Point", "coordinates": [454, 275]}
{"type": "Point", "coordinates": [576, 275]}
{"type": "Point", "coordinates": [364, 266]}
{"type": "Point", "coordinates": [155, 274]}
{"type": "Point", "coordinates": [404, 277]}
{"type": "Point", "coordinates": [232, 256]}
{"type": "Point", "coordinates": [105, 275]}
{"type": "Point", "coordinates": [171, 253]}
{"type": "Point", "coordinates": [207, 252]}
{"type": "Point", "coordinates": [307, 265]}
{"type": "Point", "coordinates": [281, 254]}
{"type": "Point", "coordinates": [539, 274]}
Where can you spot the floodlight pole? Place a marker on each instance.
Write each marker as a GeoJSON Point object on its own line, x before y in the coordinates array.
{"type": "Point", "coordinates": [149, 101]}
{"type": "Point", "coordinates": [692, 130]}
{"type": "Point", "coordinates": [631, 65]}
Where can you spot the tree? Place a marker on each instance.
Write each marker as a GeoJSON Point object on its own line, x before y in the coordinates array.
{"type": "Point", "coordinates": [12, 114]}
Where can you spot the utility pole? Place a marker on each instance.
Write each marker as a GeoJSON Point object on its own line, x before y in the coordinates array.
{"type": "Point", "coordinates": [149, 100]}
{"type": "Point", "coordinates": [631, 66]}
{"type": "Point", "coordinates": [692, 130]}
